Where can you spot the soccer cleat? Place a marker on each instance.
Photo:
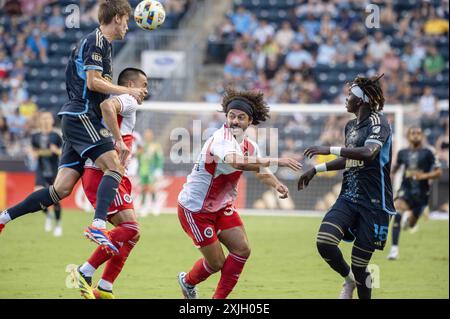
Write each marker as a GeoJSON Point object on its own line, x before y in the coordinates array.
{"type": "Point", "coordinates": [101, 238]}
{"type": "Point", "coordinates": [393, 254]}
{"type": "Point", "coordinates": [189, 292]}
{"type": "Point", "coordinates": [347, 290]}
{"type": "Point", "coordinates": [83, 283]}
{"type": "Point", "coordinates": [1, 227]}
{"type": "Point", "coordinates": [48, 224]}
{"type": "Point", "coordinates": [100, 293]}
{"type": "Point", "coordinates": [57, 232]}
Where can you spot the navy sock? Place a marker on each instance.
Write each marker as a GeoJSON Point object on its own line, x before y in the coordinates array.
{"type": "Point", "coordinates": [360, 261]}
{"type": "Point", "coordinates": [328, 240]}
{"type": "Point", "coordinates": [106, 192]}
{"type": "Point", "coordinates": [57, 209]}
{"type": "Point", "coordinates": [396, 227]}
{"type": "Point", "coordinates": [36, 201]}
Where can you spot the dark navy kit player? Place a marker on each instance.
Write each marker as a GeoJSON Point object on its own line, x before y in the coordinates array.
{"type": "Point", "coordinates": [88, 81]}
{"type": "Point", "coordinates": [421, 165]}
{"type": "Point", "coordinates": [46, 149]}
{"type": "Point", "coordinates": [365, 204]}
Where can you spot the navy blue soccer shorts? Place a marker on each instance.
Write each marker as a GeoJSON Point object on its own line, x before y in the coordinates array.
{"type": "Point", "coordinates": [369, 227]}
{"type": "Point", "coordinates": [84, 136]}
{"type": "Point", "coordinates": [416, 204]}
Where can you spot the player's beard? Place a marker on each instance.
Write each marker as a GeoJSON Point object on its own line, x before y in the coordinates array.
{"type": "Point", "coordinates": [237, 132]}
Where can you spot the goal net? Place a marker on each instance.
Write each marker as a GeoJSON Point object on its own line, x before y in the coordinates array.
{"type": "Point", "coordinates": [182, 128]}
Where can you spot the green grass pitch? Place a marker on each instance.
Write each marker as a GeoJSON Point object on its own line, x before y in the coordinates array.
{"type": "Point", "coordinates": [284, 261]}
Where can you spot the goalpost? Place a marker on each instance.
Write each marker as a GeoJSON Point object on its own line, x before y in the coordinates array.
{"type": "Point", "coordinates": [182, 128]}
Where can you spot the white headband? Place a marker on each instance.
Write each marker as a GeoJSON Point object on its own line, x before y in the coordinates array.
{"type": "Point", "coordinates": [356, 90]}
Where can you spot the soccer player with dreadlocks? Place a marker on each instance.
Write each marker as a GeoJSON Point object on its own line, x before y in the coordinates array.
{"type": "Point", "coordinates": [363, 209]}
{"type": "Point", "coordinates": [205, 205]}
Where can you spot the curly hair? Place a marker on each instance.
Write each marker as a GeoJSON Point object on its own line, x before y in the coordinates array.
{"type": "Point", "coordinates": [372, 88]}
{"type": "Point", "coordinates": [255, 99]}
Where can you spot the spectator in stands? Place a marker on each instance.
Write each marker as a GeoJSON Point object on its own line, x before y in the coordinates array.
{"type": "Point", "coordinates": [241, 20]}
{"type": "Point", "coordinates": [312, 26]}
{"type": "Point", "coordinates": [284, 36]}
{"type": "Point", "coordinates": [378, 47]}
{"type": "Point", "coordinates": [327, 26]}
{"type": "Point", "coordinates": [28, 108]}
{"type": "Point", "coordinates": [37, 45]}
{"type": "Point", "coordinates": [327, 52]}
{"type": "Point", "coordinates": [390, 63]}
{"type": "Point", "coordinates": [235, 62]}
{"type": "Point", "coordinates": [298, 58]}
{"type": "Point", "coordinates": [6, 65]}
{"type": "Point", "coordinates": [6, 104]}
{"type": "Point", "coordinates": [345, 49]}
{"type": "Point", "coordinates": [261, 84]}
{"type": "Point", "coordinates": [272, 66]}
{"type": "Point", "coordinates": [413, 61]}
{"type": "Point", "coordinates": [56, 22]}
{"type": "Point", "coordinates": [387, 15]}
{"type": "Point", "coordinates": [16, 125]}
{"type": "Point", "coordinates": [435, 25]}
{"type": "Point", "coordinates": [263, 31]}
{"type": "Point", "coordinates": [428, 104]}
{"type": "Point", "coordinates": [279, 83]}
{"type": "Point", "coordinates": [433, 63]}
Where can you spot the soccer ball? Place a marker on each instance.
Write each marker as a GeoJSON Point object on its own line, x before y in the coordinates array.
{"type": "Point", "coordinates": [149, 14]}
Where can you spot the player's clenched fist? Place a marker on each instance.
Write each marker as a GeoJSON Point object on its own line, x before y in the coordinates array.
{"type": "Point", "coordinates": [282, 190]}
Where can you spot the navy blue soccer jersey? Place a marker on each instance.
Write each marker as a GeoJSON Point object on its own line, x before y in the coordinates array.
{"type": "Point", "coordinates": [368, 183]}
{"type": "Point", "coordinates": [47, 164]}
{"type": "Point", "coordinates": [423, 160]}
{"type": "Point", "coordinates": [93, 52]}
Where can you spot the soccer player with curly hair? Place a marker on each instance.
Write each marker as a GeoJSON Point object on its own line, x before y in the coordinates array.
{"type": "Point", "coordinates": [205, 205]}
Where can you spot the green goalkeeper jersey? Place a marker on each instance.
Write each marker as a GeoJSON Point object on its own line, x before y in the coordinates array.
{"type": "Point", "coordinates": [151, 160]}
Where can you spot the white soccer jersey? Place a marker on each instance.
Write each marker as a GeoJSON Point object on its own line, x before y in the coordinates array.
{"type": "Point", "coordinates": [126, 119]}
{"type": "Point", "coordinates": [212, 184]}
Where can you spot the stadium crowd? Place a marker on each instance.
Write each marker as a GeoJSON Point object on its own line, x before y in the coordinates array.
{"type": "Point", "coordinates": [30, 43]}
{"type": "Point", "coordinates": [305, 51]}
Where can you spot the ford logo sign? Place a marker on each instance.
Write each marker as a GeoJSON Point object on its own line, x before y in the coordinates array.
{"type": "Point", "coordinates": [164, 60]}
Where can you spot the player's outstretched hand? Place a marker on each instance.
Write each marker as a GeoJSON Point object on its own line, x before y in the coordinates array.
{"type": "Point", "coordinates": [283, 190]}
{"type": "Point", "coordinates": [138, 93]}
{"type": "Point", "coordinates": [289, 162]}
{"type": "Point", "coordinates": [306, 178]}
{"type": "Point", "coordinates": [123, 151]}
{"type": "Point", "coordinates": [316, 150]}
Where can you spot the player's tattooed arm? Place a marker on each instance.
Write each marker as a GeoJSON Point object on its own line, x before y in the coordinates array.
{"type": "Point", "coordinates": [110, 108]}
{"type": "Point", "coordinates": [367, 152]}
{"type": "Point", "coordinates": [306, 177]}
{"type": "Point", "coordinates": [96, 82]}
{"type": "Point", "coordinates": [269, 179]}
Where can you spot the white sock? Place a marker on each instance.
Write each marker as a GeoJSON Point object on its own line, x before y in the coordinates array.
{"type": "Point", "coordinates": [105, 285]}
{"type": "Point", "coordinates": [350, 277]}
{"type": "Point", "coordinates": [4, 217]}
{"type": "Point", "coordinates": [99, 223]}
{"type": "Point", "coordinates": [87, 269]}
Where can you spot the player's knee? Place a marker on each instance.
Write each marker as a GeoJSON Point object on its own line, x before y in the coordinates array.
{"type": "Point", "coordinates": [136, 236]}
{"type": "Point", "coordinates": [216, 264]}
{"type": "Point", "coordinates": [63, 190]}
{"type": "Point", "coordinates": [325, 250]}
{"type": "Point", "coordinates": [243, 251]}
